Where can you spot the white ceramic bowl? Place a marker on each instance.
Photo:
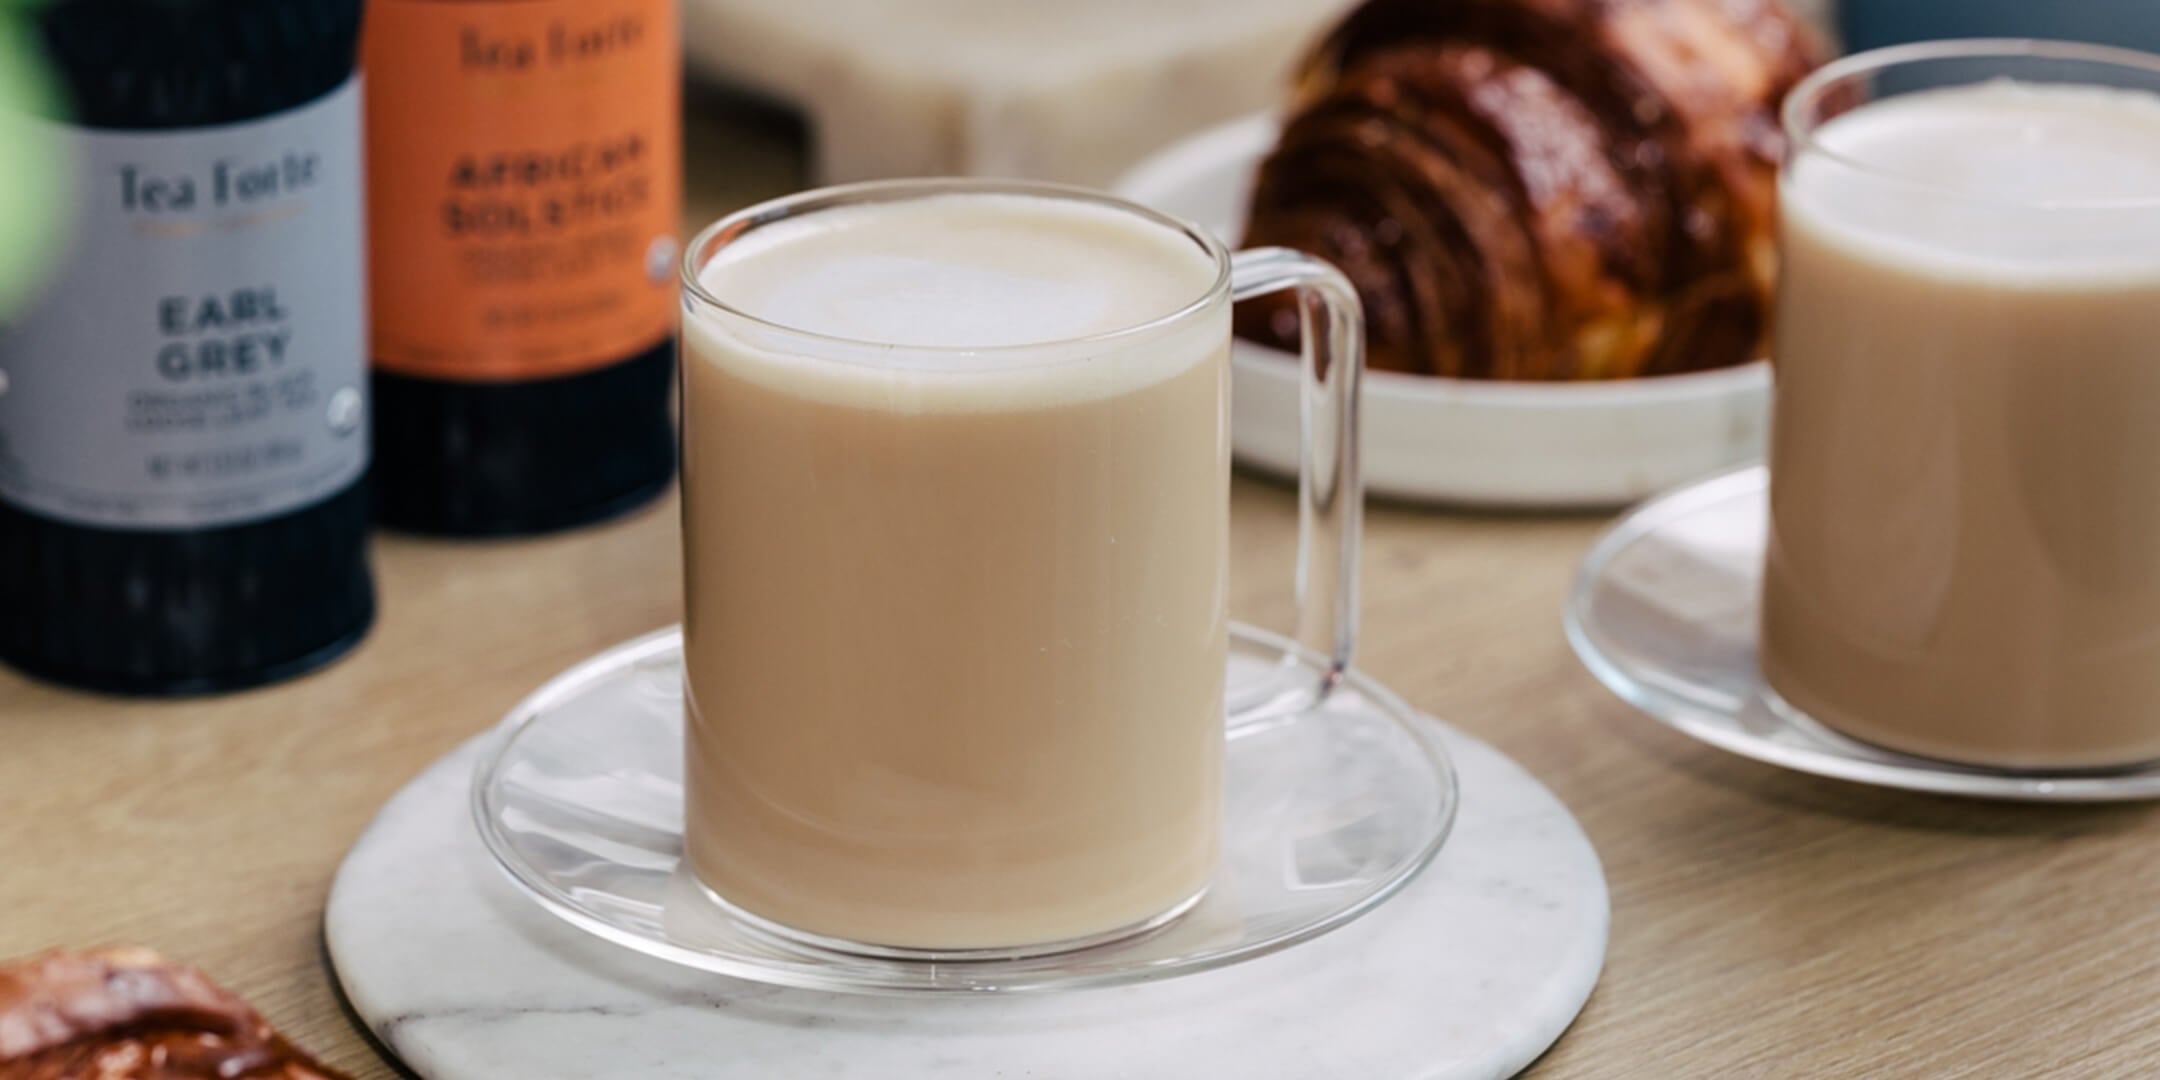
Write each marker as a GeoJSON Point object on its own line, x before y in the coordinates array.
{"type": "Point", "coordinates": [1524, 445]}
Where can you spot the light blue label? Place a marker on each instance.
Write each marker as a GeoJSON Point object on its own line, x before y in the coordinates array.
{"type": "Point", "coordinates": [199, 357]}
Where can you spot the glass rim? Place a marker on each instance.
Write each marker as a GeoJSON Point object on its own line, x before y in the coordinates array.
{"type": "Point", "coordinates": [1801, 127]}
{"type": "Point", "coordinates": [716, 236]}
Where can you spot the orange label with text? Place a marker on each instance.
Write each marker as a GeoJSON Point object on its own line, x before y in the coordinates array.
{"type": "Point", "coordinates": [524, 183]}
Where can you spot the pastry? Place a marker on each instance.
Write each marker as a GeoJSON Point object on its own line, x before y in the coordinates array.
{"type": "Point", "coordinates": [1539, 189]}
{"type": "Point", "coordinates": [129, 1014]}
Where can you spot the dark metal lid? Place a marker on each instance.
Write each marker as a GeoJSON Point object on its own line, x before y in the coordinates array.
{"type": "Point", "coordinates": [158, 64]}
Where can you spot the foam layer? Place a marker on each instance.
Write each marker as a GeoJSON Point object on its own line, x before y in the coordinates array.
{"type": "Point", "coordinates": [902, 292]}
{"type": "Point", "coordinates": [963, 271]}
{"type": "Point", "coordinates": [2002, 178]}
{"type": "Point", "coordinates": [2019, 142]}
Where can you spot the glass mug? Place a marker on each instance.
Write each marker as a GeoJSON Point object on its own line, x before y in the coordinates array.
{"type": "Point", "coordinates": [956, 538]}
{"type": "Point", "coordinates": [1964, 549]}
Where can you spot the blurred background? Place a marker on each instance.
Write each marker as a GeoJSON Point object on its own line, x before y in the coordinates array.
{"type": "Point", "coordinates": [1867, 24]}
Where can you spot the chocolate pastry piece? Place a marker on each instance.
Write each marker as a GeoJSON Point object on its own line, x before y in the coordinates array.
{"type": "Point", "coordinates": [129, 1014]}
{"type": "Point", "coordinates": [1539, 189]}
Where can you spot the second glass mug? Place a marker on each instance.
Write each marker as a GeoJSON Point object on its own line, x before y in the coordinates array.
{"type": "Point", "coordinates": [955, 615]}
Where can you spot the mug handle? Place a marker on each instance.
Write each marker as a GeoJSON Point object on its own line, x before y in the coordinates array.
{"type": "Point", "coordinates": [1331, 491]}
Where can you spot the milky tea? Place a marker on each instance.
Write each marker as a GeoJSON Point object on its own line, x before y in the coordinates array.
{"type": "Point", "coordinates": [956, 621]}
{"type": "Point", "coordinates": [1965, 471]}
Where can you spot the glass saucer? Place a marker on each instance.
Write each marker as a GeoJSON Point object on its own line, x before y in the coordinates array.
{"type": "Point", "coordinates": [1664, 613]}
{"type": "Point", "coordinates": [1328, 812]}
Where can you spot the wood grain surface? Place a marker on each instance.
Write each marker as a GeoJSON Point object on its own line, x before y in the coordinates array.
{"type": "Point", "coordinates": [1764, 923]}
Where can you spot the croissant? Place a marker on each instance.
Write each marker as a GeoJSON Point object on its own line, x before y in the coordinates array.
{"type": "Point", "coordinates": [128, 1014]}
{"type": "Point", "coordinates": [1539, 189]}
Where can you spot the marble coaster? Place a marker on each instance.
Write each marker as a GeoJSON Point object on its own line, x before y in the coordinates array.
{"type": "Point", "coordinates": [1471, 971]}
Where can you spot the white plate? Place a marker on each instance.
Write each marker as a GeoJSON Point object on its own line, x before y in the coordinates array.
{"type": "Point", "coordinates": [1555, 446]}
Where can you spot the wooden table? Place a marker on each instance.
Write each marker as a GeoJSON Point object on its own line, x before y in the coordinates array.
{"type": "Point", "coordinates": [1764, 924]}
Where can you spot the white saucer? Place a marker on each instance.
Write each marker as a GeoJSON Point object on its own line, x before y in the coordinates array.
{"type": "Point", "coordinates": [1664, 613]}
{"type": "Point", "coordinates": [1468, 973]}
{"type": "Point", "coordinates": [1327, 812]}
{"type": "Point", "coordinates": [1556, 446]}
